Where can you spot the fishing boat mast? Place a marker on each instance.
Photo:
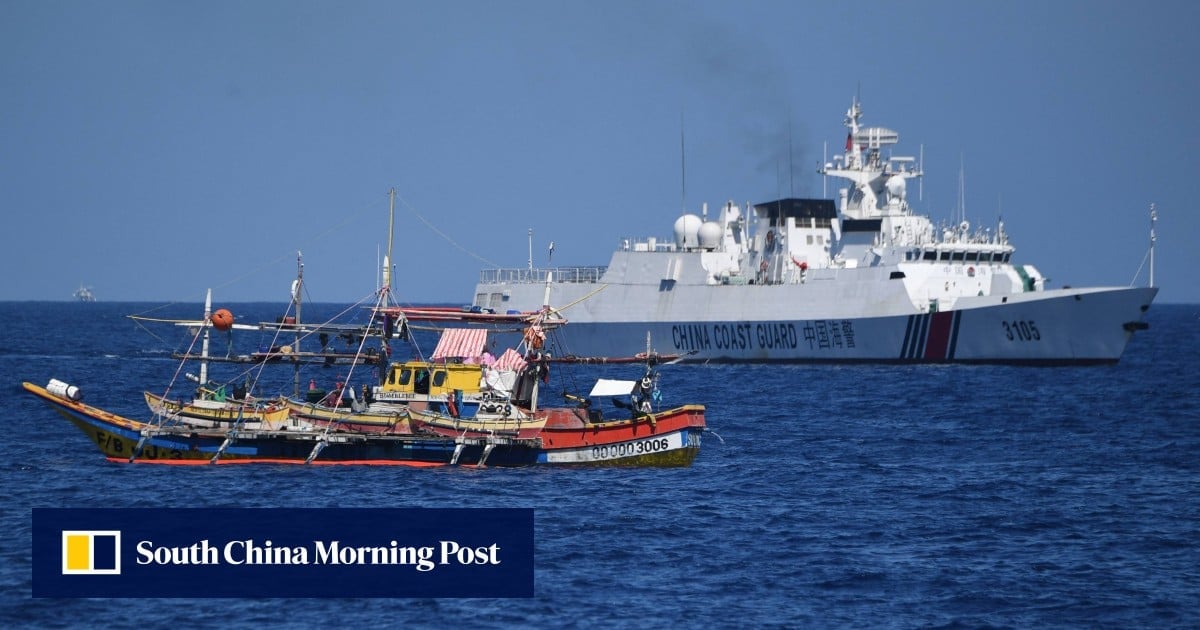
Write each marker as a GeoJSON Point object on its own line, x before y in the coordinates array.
{"type": "Point", "coordinates": [387, 258]}
{"type": "Point", "coordinates": [297, 290]}
{"type": "Point", "coordinates": [204, 341]}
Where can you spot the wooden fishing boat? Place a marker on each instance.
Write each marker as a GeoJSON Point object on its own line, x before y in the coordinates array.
{"type": "Point", "coordinates": [218, 405]}
{"type": "Point", "coordinates": [457, 380]}
{"type": "Point", "coordinates": [669, 439]}
{"type": "Point", "coordinates": [512, 421]}
{"type": "Point", "coordinates": [223, 412]}
{"type": "Point", "coordinates": [369, 418]}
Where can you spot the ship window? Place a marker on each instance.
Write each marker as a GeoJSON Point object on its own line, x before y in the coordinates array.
{"type": "Point", "coordinates": [810, 239]}
{"type": "Point", "coordinates": [421, 383]}
{"type": "Point", "coordinates": [820, 239]}
{"type": "Point", "coordinates": [957, 256]}
{"type": "Point", "coordinates": [930, 255]}
{"type": "Point", "coordinates": [972, 256]}
{"type": "Point", "coordinates": [405, 376]}
{"type": "Point", "coordinates": [439, 377]}
{"type": "Point", "coordinates": [945, 256]}
{"type": "Point", "coordinates": [1007, 256]}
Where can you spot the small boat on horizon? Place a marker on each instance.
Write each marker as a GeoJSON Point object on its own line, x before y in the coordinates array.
{"type": "Point", "coordinates": [84, 294]}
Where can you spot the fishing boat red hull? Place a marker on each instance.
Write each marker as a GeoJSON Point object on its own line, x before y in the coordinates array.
{"type": "Point", "coordinates": [575, 436]}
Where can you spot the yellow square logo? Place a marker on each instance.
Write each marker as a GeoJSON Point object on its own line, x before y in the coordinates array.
{"type": "Point", "coordinates": [91, 553]}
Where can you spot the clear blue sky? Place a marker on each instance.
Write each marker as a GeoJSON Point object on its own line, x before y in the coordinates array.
{"type": "Point", "coordinates": [153, 149]}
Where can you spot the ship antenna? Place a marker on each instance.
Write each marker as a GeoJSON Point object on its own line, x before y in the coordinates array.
{"type": "Point", "coordinates": [824, 176]}
{"type": "Point", "coordinates": [999, 213]}
{"type": "Point", "coordinates": [962, 192]}
{"type": "Point", "coordinates": [1150, 254]}
{"type": "Point", "coordinates": [1153, 218]}
{"type": "Point", "coordinates": [921, 179]}
{"type": "Point", "coordinates": [682, 169]}
{"type": "Point", "coordinates": [530, 261]}
{"type": "Point", "coordinates": [791, 159]}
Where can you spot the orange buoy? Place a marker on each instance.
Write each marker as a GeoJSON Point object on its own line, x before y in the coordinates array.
{"type": "Point", "coordinates": [222, 319]}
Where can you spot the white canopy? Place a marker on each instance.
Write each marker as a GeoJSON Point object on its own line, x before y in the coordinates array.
{"type": "Point", "coordinates": [609, 387]}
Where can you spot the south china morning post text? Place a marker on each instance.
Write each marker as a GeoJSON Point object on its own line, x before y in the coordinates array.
{"type": "Point", "coordinates": [251, 552]}
{"type": "Point", "coordinates": [232, 552]}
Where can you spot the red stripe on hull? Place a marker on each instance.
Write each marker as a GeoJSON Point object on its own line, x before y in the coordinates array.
{"type": "Point", "coordinates": [267, 460]}
{"type": "Point", "coordinates": [939, 335]}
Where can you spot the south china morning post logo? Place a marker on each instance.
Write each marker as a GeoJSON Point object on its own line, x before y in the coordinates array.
{"type": "Point", "coordinates": [250, 552]}
{"type": "Point", "coordinates": [278, 552]}
{"type": "Point", "coordinates": [91, 552]}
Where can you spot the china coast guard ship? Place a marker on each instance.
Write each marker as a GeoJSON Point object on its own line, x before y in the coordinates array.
{"type": "Point", "coordinates": [805, 280]}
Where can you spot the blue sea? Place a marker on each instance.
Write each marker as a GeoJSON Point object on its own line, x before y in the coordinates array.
{"type": "Point", "coordinates": [836, 496]}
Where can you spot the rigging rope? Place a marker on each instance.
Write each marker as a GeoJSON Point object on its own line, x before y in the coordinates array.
{"type": "Point", "coordinates": [442, 234]}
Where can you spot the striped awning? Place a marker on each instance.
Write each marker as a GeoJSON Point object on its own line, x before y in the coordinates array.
{"type": "Point", "coordinates": [510, 360]}
{"type": "Point", "coordinates": [461, 343]}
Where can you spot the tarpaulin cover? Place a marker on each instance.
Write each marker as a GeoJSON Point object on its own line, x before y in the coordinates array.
{"type": "Point", "coordinates": [610, 387]}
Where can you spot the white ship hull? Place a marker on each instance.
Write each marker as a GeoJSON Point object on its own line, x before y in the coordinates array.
{"type": "Point", "coordinates": [788, 323]}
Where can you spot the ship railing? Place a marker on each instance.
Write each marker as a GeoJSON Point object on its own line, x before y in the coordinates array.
{"type": "Point", "coordinates": [525, 275]}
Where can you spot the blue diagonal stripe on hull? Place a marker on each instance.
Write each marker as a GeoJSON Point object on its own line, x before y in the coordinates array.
{"type": "Point", "coordinates": [954, 335]}
{"type": "Point", "coordinates": [907, 336]}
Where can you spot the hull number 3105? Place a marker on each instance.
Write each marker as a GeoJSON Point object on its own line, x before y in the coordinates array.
{"type": "Point", "coordinates": [1021, 330]}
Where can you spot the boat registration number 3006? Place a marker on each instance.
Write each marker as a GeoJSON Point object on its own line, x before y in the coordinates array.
{"type": "Point", "coordinates": [626, 449]}
{"type": "Point", "coordinates": [605, 452]}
